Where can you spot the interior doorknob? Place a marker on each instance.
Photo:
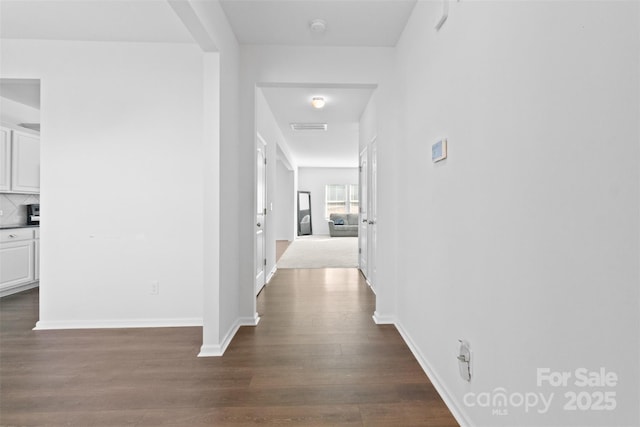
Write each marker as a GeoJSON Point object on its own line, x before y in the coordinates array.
{"type": "Point", "coordinates": [364, 220]}
{"type": "Point", "coordinates": [371, 222]}
{"type": "Point", "coordinates": [258, 224]}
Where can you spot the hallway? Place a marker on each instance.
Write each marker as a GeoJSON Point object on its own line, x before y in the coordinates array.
{"type": "Point", "coordinates": [316, 358]}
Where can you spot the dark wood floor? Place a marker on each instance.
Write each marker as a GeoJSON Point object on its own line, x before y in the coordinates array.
{"type": "Point", "coordinates": [316, 358]}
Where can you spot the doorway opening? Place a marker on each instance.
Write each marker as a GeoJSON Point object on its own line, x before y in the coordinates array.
{"type": "Point", "coordinates": [315, 187]}
{"type": "Point", "coordinates": [19, 185]}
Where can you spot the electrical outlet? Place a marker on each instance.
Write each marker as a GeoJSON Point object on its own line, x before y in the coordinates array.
{"type": "Point", "coordinates": [154, 289]}
{"type": "Point", "coordinates": [1, 213]}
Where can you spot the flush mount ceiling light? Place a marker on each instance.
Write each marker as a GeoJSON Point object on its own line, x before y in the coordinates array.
{"type": "Point", "coordinates": [317, 102]}
{"type": "Point", "coordinates": [318, 26]}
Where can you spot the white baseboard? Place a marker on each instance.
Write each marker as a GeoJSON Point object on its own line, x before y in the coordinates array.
{"type": "Point", "coordinates": [371, 286]}
{"type": "Point", "coordinates": [115, 324]}
{"type": "Point", "coordinates": [211, 351]}
{"type": "Point", "coordinates": [456, 410]}
{"type": "Point", "coordinates": [249, 321]}
{"type": "Point", "coordinates": [383, 320]}
{"type": "Point", "coordinates": [217, 350]}
{"type": "Point", "coordinates": [366, 279]}
{"type": "Point", "coordinates": [271, 274]}
{"type": "Point", "coordinates": [18, 288]}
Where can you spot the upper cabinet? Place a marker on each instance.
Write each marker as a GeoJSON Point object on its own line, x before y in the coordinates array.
{"type": "Point", "coordinates": [25, 163]}
{"type": "Point", "coordinates": [20, 159]}
{"type": "Point", "coordinates": [5, 159]}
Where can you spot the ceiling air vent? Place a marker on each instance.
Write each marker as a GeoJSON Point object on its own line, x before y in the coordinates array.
{"type": "Point", "coordinates": [308, 126]}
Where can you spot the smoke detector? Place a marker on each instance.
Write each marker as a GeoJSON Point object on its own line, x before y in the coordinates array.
{"type": "Point", "coordinates": [318, 26]}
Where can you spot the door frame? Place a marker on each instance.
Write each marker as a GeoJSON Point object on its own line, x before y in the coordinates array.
{"type": "Point", "coordinates": [372, 213]}
{"type": "Point", "coordinates": [363, 229]}
{"type": "Point", "coordinates": [260, 279]}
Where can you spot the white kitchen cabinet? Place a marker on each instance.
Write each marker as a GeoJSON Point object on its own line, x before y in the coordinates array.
{"type": "Point", "coordinates": [25, 162]}
{"type": "Point", "coordinates": [17, 259]}
{"type": "Point", "coordinates": [5, 159]}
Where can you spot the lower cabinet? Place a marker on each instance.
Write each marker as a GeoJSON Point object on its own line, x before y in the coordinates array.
{"type": "Point", "coordinates": [17, 260]}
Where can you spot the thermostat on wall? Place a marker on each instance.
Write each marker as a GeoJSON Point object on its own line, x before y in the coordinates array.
{"type": "Point", "coordinates": [439, 150]}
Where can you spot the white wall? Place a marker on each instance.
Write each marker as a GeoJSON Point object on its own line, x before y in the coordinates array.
{"type": "Point", "coordinates": [284, 205]}
{"type": "Point", "coordinates": [121, 126]}
{"type": "Point", "coordinates": [209, 25]}
{"type": "Point", "coordinates": [529, 247]}
{"type": "Point", "coordinates": [268, 129]}
{"type": "Point", "coordinates": [315, 180]}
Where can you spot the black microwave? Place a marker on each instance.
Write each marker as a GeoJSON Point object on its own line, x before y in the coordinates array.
{"type": "Point", "coordinates": [33, 214]}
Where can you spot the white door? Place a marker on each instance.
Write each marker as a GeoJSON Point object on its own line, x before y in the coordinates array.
{"type": "Point", "coordinates": [261, 211]}
{"type": "Point", "coordinates": [373, 214]}
{"type": "Point", "coordinates": [363, 224]}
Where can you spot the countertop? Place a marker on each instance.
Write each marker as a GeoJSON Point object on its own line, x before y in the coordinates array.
{"type": "Point", "coordinates": [9, 227]}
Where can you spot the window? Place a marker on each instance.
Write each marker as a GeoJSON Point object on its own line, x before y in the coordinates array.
{"type": "Point", "coordinates": [354, 204]}
{"type": "Point", "coordinates": [341, 198]}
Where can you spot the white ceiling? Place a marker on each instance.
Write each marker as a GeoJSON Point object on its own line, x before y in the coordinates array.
{"type": "Point", "coordinates": [92, 20]}
{"type": "Point", "coordinates": [336, 147]}
{"type": "Point", "coordinates": [349, 22]}
{"type": "Point", "coordinates": [280, 22]}
{"type": "Point", "coordinates": [24, 91]}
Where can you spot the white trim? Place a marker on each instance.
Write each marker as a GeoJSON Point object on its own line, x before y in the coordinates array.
{"type": "Point", "coordinates": [456, 410]}
{"type": "Point", "coordinates": [211, 351]}
{"type": "Point", "coordinates": [271, 274]}
{"type": "Point", "coordinates": [370, 285]}
{"type": "Point", "coordinates": [218, 350]}
{"type": "Point", "coordinates": [262, 140]}
{"type": "Point", "coordinates": [18, 288]}
{"type": "Point", "coordinates": [116, 324]}
{"type": "Point", "coordinates": [260, 279]}
{"type": "Point", "coordinates": [249, 321]}
{"type": "Point", "coordinates": [383, 320]}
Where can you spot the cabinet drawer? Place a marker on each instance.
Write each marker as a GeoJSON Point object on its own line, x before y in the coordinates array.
{"type": "Point", "coordinates": [16, 234]}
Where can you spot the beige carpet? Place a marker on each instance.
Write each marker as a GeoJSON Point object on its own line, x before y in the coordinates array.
{"type": "Point", "coordinates": [321, 252]}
